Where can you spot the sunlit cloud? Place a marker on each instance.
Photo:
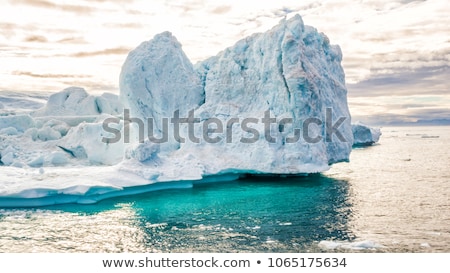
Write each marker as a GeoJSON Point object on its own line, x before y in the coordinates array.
{"type": "Point", "coordinates": [221, 9]}
{"type": "Point", "coordinates": [35, 75]}
{"type": "Point", "coordinates": [7, 30]}
{"type": "Point", "coordinates": [123, 25]}
{"type": "Point", "coordinates": [109, 51]}
{"type": "Point", "coordinates": [50, 5]}
{"type": "Point", "coordinates": [36, 38]}
{"type": "Point", "coordinates": [71, 40]}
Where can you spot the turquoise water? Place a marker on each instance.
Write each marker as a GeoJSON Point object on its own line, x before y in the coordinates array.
{"type": "Point", "coordinates": [393, 196]}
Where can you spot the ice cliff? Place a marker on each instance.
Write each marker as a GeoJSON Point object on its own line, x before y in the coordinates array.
{"type": "Point", "coordinates": [274, 103]}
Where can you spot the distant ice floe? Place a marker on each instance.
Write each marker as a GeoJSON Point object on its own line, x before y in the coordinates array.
{"type": "Point", "coordinates": [20, 102]}
{"type": "Point", "coordinates": [362, 245]}
{"type": "Point", "coordinates": [364, 135]}
{"type": "Point", "coordinates": [422, 135]}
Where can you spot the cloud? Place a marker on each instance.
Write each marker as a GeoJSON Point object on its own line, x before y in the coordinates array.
{"type": "Point", "coordinates": [401, 60]}
{"type": "Point", "coordinates": [50, 5]}
{"type": "Point", "coordinates": [115, 1]}
{"type": "Point", "coordinates": [424, 80]}
{"type": "Point", "coordinates": [373, 33]}
{"type": "Point", "coordinates": [392, 49]}
{"type": "Point", "coordinates": [221, 9]}
{"type": "Point", "coordinates": [8, 30]}
{"type": "Point", "coordinates": [109, 51]}
{"type": "Point", "coordinates": [433, 113]}
{"type": "Point", "coordinates": [424, 118]}
{"type": "Point", "coordinates": [394, 110]}
{"type": "Point", "coordinates": [36, 39]}
{"type": "Point", "coordinates": [8, 26]}
{"type": "Point", "coordinates": [72, 40]}
{"type": "Point", "coordinates": [186, 7]}
{"type": "Point", "coordinates": [282, 12]}
{"type": "Point", "coordinates": [56, 76]}
{"type": "Point", "coordinates": [123, 25]}
{"type": "Point", "coordinates": [417, 105]}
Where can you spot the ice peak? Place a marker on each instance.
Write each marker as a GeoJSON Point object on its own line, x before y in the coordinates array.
{"type": "Point", "coordinates": [295, 25]}
{"type": "Point", "coordinates": [166, 37]}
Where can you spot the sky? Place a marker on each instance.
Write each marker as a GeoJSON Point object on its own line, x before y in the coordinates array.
{"type": "Point", "coordinates": [396, 52]}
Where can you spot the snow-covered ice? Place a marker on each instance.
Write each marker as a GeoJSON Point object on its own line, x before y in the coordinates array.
{"type": "Point", "coordinates": [75, 101]}
{"type": "Point", "coordinates": [62, 152]}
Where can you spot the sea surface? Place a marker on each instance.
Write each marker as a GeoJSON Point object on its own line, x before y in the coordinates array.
{"type": "Point", "coordinates": [391, 197]}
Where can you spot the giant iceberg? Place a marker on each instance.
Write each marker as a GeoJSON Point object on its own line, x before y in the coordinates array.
{"type": "Point", "coordinates": [289, 74]}
{"type": "Point", "coordinates": [274, 103]}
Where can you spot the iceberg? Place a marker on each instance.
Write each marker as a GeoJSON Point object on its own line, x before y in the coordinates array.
{"type": "Point", "coordinates": [289, 73]}
{"type": "Point", "coordinates": [364, 135]}
{"type": "Point", "coordinates": [275, 103]}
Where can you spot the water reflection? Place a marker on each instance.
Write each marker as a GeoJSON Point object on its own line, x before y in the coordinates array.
{"type": "Point", "coordinates": [258, 214]}
{"type": "Point", "coordinates": [253, 215]}
{"type": "Point", "coordinates": [55, 230]}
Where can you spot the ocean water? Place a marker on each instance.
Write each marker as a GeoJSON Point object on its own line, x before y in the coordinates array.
{"type": "Point", "coordinates": [391, 197]}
